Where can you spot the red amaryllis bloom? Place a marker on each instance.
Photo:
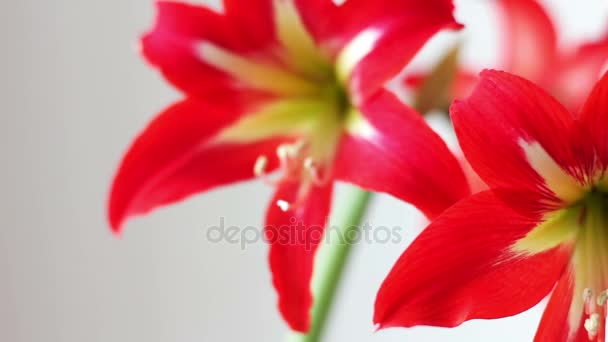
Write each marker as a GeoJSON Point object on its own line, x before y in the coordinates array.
{"type": "Point", "coordinates": [530, 49]}
{"type": "Point", "coordinates": [294, 86]}
{"type": "Point", "coordinates": [543, 225]}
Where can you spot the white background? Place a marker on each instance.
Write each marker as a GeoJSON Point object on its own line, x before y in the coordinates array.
{"type": "Point", "coordinates": [73, 92]}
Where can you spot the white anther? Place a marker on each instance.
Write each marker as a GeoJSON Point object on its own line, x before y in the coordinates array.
{"type": "Point", "coordinates": [588, 301]}
{"type": "Point", "coordinates": [298, 147]}
{"type": "Point", "coordinates": [312, 170]}
{"type": "Point", "coordinates": [259, 169]}
{"type": "Point", "coordinates": [291, 151]}
{"type": "Point", "coordinates": [309, 164]}
{"type": "Point", "coordinates": [587, 294]}
{"type": "Point", "coordinates": [283, 152]}
{"type": "Point", "coordinates": [284, 205]}
{"type": "Point", "coordinates": [314, 173]}
{"type": "Point", "coordinates": [592, 325]}
{"type": "Point", "coordinates": [601, 299]}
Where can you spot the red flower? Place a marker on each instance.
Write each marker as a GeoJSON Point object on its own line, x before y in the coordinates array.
{"type": "Point", "coordinates": [294, 87]}
{"type": "Point", "coordinates": [543, 225]}
{"type": "Point", "coordinates": [531, 50]}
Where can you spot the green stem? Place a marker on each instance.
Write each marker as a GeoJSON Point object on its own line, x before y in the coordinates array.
{"type": "Point", "coordinates": [332, 259]}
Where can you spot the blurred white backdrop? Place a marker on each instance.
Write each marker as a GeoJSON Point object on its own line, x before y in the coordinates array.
{"type": "Point", "coordinates": [73, 93]}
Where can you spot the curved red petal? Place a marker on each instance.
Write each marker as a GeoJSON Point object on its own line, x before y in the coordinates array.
{"type": "Point", "coordinates": [393, 31]}
{"type": "Point", "coordinates": [554, 325]}
{"type": "Point", "coordinates": [530, 39]}
{"type": "Point", "coordinates": [594, 119]}
{"type": "Point", "coordinates": [174, 44]}
{"type": "Point", "coordinates": [173, 159]}
{"type": "Point", "coordinates": [464, 83]}
{"type": "Point", "coordinates": [414, 80]}
{"type": "Point", "coordinates": [358, 15]}
{"type": "Point", "coordinates": [475, 182]}
{"type": "Point", "coordinates": [294, 236]}
{"type": "Point", "coordinates": [319, 16]}
{"type": "Point", "coordinates": [461, 267]}
{"type": "Point", "coordinates": [506, 126]}
{"type": "Point", "coordinates": [579, 72]}
{"type": "Point", "coordinates": [254, 20]}
{"type": "Point", "coordinates": [402, 156]}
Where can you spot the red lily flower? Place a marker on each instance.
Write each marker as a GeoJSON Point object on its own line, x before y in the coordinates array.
{"type": "Point", "coordinates": [543, 225]}
{"type": "Point", "coordinates": [531, 50]}
{"type": "Point", "coordinates": [294, 86]}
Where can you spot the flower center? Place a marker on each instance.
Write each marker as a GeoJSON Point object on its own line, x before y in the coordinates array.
{"type": "Point", "coordinates": [309, 104]}
{"type": "Point", "coordinates": [583, 226]}
{"type": "Point", "coordinates": [308, 159]}
{"type": "Point", "coordinates": [590, 262]}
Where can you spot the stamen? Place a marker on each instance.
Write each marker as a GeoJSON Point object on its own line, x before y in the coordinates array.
{"type": "Point", "coordinates": [295, 166]}
{"type": "Point", "coordinates": [309, 163]}
{"type": "Point", "coordinates": [588, 301]}
{"type": "Point", "coordinates": [601, 299]}
{"type": "Point", "coordinates": [314, 173]}
{"type": "Point", "coordinates": [289, 151]}
{"type": "Point", "coordinates": [284, 205]}
{"type": "Point", "coordinates": [259, 169]}
{"type": "Point", "coordinates": [592, 325]}
{"type": "Point", "coordinates": [587, 294]}
{"type": "Point", "coordinates": [299, 147]}
{"type": "Point", "coordinates": [291, 158]}
{"type": "Point", "coordinates": [300, 199]}
{"type": "Point", "coordinates": [283, 152]}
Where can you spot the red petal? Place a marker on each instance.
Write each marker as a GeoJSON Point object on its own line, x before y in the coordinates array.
{"type": "Point", "coordinates": [319, 18]}
{"type": "Point", "coordinates": [171, 46]}
{"type": "Point", "coordinates": [414, 80]}
{"type": "Point", "coordinates": [579, 72]}
{"type": "Point", "coordinates": [294, 236]}
{"type": "Point", "coordinates": [475, 182]}
{"type": "Point", "coordinates": [461, 267]}
{"type": "Point", "coordinates": [555, 326]}
{"type": "Point", "coordinates": [254, 20]}
{"type": "Point", "coordinates": [503, 112]}
{"type": "Point", "coordinates": [402, 28]}
{"type": "Point", "coordinates": [464, 84]}
{"type": "Point", "coordinates": [594, 116]}
{"type": "Point", "coordinates": [403, 157]}
{"type": "Point", "coordinates": [530, 39]}
{"type": "Point", "coordinates": [358, 15]}
{"type": "Point", "coordinates": [173, 42]}
{"type": "Point", "coordinates": [170, 161]}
